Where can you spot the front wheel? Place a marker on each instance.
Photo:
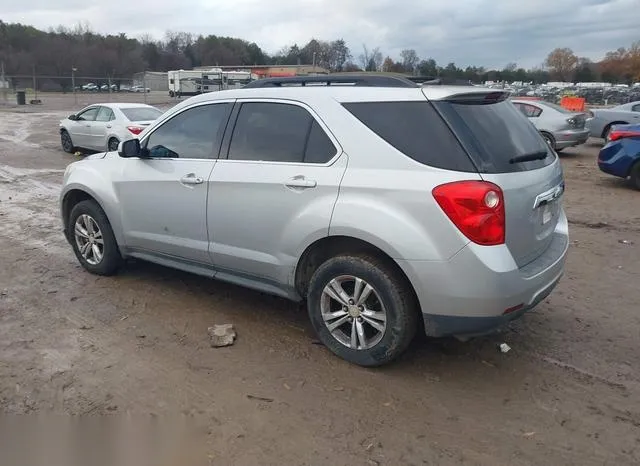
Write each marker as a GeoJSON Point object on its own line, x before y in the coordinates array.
{"type": "Point", "coordinates": [92, 239]}
{"type": "Point", "coordinates": [66, 142]}
{"type": "Point", "coordinates": [362, 310]}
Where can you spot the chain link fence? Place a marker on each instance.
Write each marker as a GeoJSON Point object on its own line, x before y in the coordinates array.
{"type": "Point", "coordinates": [73, 92]}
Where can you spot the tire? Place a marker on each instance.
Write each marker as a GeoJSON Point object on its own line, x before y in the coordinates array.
{"type": "Point", "coordinates": [390, 297]}
{"type": "Point", "coordinates": [634, 175]}
{"type": "Point", "coordinates": [172, 94]}
{"type": "Point", "coordinates": [607, 130]}
{"type": "Point", "coordinates": [84, 213]}
{"type": "Point", "coordinates": [112, 145]}
{"type": "Point", "coordinates": [66, 142]}
{"type": "Point", "coordinates": [550, 139]}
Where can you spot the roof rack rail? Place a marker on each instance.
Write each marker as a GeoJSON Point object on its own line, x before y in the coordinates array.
{"type": "Point", "coordinates": [373, 80]}
{"type": "Point", "coordinates": [435, 81]}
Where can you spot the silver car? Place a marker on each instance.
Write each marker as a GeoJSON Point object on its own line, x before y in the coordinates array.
{"type": "Point", "coordinates": [385, 205]}
{"type": "Point", "coordinates": [603, 119]}
{"type": "Point", "coordinates": [560, 127]}
{"type": "Point", "coordinates": [103, 126]}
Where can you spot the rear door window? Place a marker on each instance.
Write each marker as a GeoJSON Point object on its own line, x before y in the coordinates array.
{"type": "Point", "coordinates": [105, 114]}
{"type": "Point", "coordinates": [278, 132]}
{"type": "Point", "coordinates": [416, 130]}
{"type": "Point", "coordinates": [494, 133]}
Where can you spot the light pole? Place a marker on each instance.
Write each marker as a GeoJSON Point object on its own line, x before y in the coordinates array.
{"type": "Point", "coordinates": [73, 84]}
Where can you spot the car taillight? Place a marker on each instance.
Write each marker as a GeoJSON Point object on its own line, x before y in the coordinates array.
{"type": "Point", "coordinates": [135, 129]}
{"type": "Point", "coordinates": [614, 135]}
{"type": "Point", "coordinates": [476, 208]}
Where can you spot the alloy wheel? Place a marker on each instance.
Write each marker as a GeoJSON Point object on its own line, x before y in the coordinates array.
{"type": "Point", "coordinates": [353, 312]}
{"type": "Point", "coordinates": [89, 239]}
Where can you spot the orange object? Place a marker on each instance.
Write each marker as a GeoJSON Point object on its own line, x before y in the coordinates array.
{"type": "Point", "coordinates": [574, 104]}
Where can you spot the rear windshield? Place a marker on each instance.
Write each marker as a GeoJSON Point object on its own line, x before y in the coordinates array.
{"type": "Point", "coordinates": [557, 107]}
{"type": "Point", "coordinates": [494, 134]}
{"type": "Point", "coordinates": [416, 130]}
{"type": "Point", "coordinates": [141, 113]}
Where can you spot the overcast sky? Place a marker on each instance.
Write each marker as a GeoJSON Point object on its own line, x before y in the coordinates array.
{"type": "Point", "coordinates": [468, 32]}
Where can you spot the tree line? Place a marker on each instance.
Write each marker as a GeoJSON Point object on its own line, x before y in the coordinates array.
{"type": "Point", "coordinates": [25, 50]}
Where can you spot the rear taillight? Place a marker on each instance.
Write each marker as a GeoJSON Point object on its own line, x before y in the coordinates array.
{"type": "Point", "coordinates": [476, 208]}
{"type": "Point", "coordinates": [135, 129]}
{"type": "Point", "coordinates": [614, 135]}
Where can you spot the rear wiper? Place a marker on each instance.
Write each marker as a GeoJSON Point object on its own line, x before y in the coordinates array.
{"type": "Point", "coordinates": [540, 155]}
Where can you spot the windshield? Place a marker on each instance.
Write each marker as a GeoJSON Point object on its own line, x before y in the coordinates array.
{"type": "Point", "coordinates": [141, 113]}
{"type": "Point", "coordinates": [495, 134]}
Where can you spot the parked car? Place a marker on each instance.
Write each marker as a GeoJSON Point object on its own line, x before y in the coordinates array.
{"type": "Point", "coordinates": [106, 88]}
{"type": "Point", "coordinates": [603, 119]}
{"type": "Point", "coordinates": [621, 154]}
{"type": "Point", "coordinates": [557, 125]}
{"type": "Point", "coordinates": [90, 87]}
{"type": "Point", "coordinates": [102, 126]}
{"type": "Point", "coordinates": [139, 89]}
{"type": "Point", "coordinates": [385, 205]}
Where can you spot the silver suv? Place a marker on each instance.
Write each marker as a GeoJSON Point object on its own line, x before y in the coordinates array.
{"type": "Point", "coordinates": [386, 205]}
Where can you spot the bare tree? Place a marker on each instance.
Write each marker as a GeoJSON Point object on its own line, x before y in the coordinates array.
{"type": "Point", "coordinates": [409, 60]}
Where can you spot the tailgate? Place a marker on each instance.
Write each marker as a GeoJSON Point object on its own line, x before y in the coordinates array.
{"type": "Point", "coordinates": [509, 152]}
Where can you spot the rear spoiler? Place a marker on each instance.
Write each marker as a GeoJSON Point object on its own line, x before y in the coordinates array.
{"type": "Point", "coordinates": [465, 95]}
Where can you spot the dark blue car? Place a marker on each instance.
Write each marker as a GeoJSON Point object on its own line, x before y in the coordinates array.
{"type": "Point", "coordinates": [621, 155]}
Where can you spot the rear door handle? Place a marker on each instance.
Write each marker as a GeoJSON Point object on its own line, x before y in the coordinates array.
{"type": "Point", "coordinates": [191, 178]}
{"type": "Point", "coordinates": [108, 126]}
{"type": "Point", "coordinates": [300, 181]}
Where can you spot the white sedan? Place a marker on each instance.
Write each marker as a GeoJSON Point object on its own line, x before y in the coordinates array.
{"type": "Point", "coordinates": [103, 126]}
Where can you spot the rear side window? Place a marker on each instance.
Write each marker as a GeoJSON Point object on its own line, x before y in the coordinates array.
{"type": "Point", "coordinates": [527, 110]}
{"type": "Point", "coordinates": [494, 133]}
{"type": "Point", "coordinates": [416, 130]}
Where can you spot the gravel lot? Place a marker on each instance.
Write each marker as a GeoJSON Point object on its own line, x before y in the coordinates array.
{"type": "Point", "coordinates": [70, 342]}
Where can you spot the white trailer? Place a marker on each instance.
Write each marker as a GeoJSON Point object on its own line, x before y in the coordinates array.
{"type": "Point", "coordinates": [235, 79]}
{"type": "Point", "coordinates": [193, 82]}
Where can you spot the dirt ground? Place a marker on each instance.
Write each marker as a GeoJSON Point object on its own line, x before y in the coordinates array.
{"type": "Point", "coordinates": [73, 343]}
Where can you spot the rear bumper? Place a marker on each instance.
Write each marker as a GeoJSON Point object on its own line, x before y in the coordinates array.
{"type": "Point", "coordinates": [570, 138]}
{"type": "Point", "coordinates": [614, 159]}
{"type": "Point", "coordinates": [481, 288]}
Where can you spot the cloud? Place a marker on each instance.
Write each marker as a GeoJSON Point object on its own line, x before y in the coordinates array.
{"type": "Point", "coordinates": [467, 32]}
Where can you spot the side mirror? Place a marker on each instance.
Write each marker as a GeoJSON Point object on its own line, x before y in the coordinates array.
{"type": "Point", "coordinates": [130, 148]}
{"type": "Point", "coordinates": [73, 117]}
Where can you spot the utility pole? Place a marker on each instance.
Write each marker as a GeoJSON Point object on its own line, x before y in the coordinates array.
{"type": "Point", "coordinates": [73, 84]}
{"type": "Point", "coordinates": [35, 84]}
{"type": "Point", "coordinates": [144, 85]}
{"type": "Point", "coordinates": [3, 81]}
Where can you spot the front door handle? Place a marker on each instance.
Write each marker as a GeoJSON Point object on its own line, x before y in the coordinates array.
{"type": "Point", "coordinates": [108, 126]}
{"type": "Point", "coordinates": [191, 178]}
{"type": "Point", "coordinates": [300, 181]}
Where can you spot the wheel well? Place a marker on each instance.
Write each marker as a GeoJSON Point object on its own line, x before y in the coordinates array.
{"type": "Point", "coordinates": [606, 128]}
{"type": "Point", "coordinates": [548, 133]}
{"type": "Point", "coordinates": [72, 198]}
{"type": "Point", "coordinates": [326, 248]}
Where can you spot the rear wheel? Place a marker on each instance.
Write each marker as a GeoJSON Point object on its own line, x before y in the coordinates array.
{"type": "Point", "coordinates": [66, 142]}
{"type": "Point", "coordinates": [112, 145]}
{"type": "Point", "coordinates": [550, 140]}
{"type": "Point", "coordinates": [362, 310]}
{"type": "Point", "coordinates": [635, 175]}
